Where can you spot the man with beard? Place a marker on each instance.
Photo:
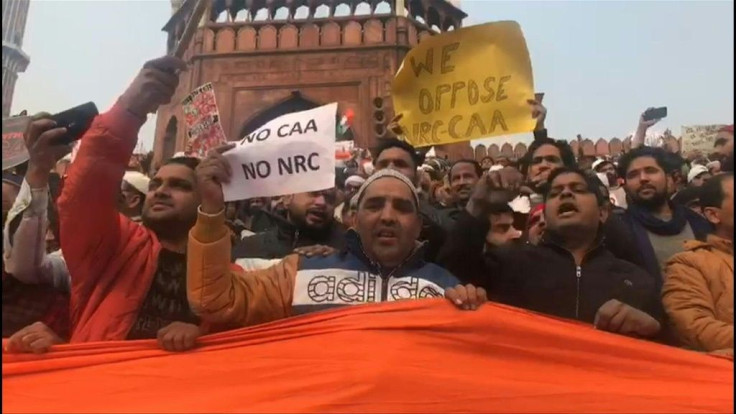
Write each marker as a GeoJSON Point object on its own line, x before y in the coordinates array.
{"type": "Point", "coordinates": [129, 280]}
{"type": "Point", "coordinates": [659, 226]}
{"type": "Point", "coordinates": [402, 157]}
{"type": "Point", "coordinates": [381, 261]}
{"type": "Point", "coordinates": [570, 273]}
{"type": "Point", "coordinates": [309, 221]}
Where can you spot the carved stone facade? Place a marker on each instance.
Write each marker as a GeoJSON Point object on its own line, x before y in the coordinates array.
{"type": "Point", "coordinates": [599, 148]}
{"type": "Point", "coordinates": [264, 57]}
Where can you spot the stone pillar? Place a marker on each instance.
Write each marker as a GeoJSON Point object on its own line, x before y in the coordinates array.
{"type": "Point", "coordinates": [14, 60]}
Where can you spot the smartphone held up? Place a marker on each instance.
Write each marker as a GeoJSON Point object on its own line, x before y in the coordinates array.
{"type": "Point", "coordinates": [655, 113]}
{"type": "Point", "coordinates": [76, 120]}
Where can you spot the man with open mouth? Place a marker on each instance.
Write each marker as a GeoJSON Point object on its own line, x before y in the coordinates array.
{"type": "Point", "coordinates": [382, 261]}
{"type": "Point", "coordinates": [570, 273]}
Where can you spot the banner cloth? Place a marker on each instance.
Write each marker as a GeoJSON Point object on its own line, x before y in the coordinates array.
{"type": "Point", "coordinates": [414, 356]}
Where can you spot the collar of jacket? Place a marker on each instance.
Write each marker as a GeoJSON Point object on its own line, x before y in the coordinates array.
{"type": "Point", "coordinates": [354, 246]}
{"type": "Point", "coordinates": [549, 241]}
{"type": "Point", "coordinates": [717, 243]}
{"type": "Point", "coordinates": [285, 230]}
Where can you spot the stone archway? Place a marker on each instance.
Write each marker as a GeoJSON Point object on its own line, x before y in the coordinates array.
{"type": "Point", "coordinates": [294, 103]}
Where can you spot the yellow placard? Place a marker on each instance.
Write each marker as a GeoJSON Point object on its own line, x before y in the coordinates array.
{"type": "Point", "coordinates": [466, 84]}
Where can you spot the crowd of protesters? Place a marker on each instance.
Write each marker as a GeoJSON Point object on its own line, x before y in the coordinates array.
{"type": "Point", "coordinates": [103, 248]}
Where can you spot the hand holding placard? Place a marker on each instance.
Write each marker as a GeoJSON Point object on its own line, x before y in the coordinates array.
{"type": "Point", "coordinates": [290, 154]}
{"type": "Point", "coordinates": [212, 173]}
{"type": "Point", "coordinates": [445, 96]}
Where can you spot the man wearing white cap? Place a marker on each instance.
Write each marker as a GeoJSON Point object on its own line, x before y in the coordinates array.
{"type": "Point", "coordinates": [698, 175]}
{"type": "Point", "coordinates": [382, 261]}
{"type": "Point", "coordinates": [616, 191]}
{"type": "Point", "coordinates": [352, 185]}
{"type": "Point", "coordinates": [133, 192]}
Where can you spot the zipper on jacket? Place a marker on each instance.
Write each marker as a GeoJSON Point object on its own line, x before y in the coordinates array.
{"type": "Point", "coordinates": [296, 239]}
{"type": "Point", "coordinates": [578, 274]}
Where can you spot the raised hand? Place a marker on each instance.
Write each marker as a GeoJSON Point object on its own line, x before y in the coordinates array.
{"type": "Point", "coordinates": [212, 172]}
{"type": "Point", "coordinates": [539, 112]}
{"type": "Point", "coordinates": [494, 187]}
{"type": "Point", "coordinates": [43, 151]}
{"type": "Point", "coordinates": [644, 125]}
{"type": "Point", "coordinates": [154, 86]}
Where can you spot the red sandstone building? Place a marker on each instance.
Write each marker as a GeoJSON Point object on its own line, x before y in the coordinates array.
{"type": "Point", "coordinates": [269, 57]}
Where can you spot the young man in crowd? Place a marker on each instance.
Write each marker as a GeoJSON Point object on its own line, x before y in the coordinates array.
{"type": "Point", "coordinates": [698, 287]}
{"type": "Point", "coordinates": [309, 221]}
{"type": "Point", "coordinates": [464, 174]}
{"type": "Point", "coordinates": [570, 273]}
{"type": "Point", "coordinates": [382, 261]}
{"type": "Point", "coordinates": [486, 163]}
{"type": "Point", "coordinates": [658, 226]}
{"type": "Point", "coordinates": [543, 156]}
{"type": "Point", "coordinates": [128, 280]}
{"type": "Point", "coordinates": [502, 231]}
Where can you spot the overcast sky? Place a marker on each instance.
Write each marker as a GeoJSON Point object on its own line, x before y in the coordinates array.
{"type": "Point", "coordinates": [600, 63]}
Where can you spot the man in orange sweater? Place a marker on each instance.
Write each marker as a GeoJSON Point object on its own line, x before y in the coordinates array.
{"type": "Point", "coordinates": [698, 287]}
{"type": "Point", "coordinates": [128, 281]}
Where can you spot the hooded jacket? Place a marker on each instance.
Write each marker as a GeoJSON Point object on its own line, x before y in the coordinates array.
{"type": "Point", "coordinates": [545, 278]}
{"type": "Point", "coordinates": [698, 294]}
{"type": "Point", "coordinates": [296, 285]}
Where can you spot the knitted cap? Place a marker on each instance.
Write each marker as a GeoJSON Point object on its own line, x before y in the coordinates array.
{"type": "Point", "coordinates": [388, 173]}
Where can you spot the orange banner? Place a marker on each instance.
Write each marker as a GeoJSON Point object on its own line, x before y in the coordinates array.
{"type": "Point", "coordinates": [415, 356]}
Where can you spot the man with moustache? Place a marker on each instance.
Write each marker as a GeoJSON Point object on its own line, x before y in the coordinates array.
{"type": "Point", "coordinates": [570, 273]}
{"type": "Point", "coordinates": [309, 221]}
{"type": "Point", "coordinates": [659, 227]}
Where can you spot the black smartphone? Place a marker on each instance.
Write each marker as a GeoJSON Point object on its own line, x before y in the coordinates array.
{"type": "Point", "coordinates": [76, 120]}
{"type": "Point", "coordinates": [655, 113]}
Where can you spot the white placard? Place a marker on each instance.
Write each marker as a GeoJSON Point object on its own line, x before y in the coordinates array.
{"type": "Point", "coordinates": [293, 153]}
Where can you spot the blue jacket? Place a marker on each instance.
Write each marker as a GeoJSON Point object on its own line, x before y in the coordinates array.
{"type": "Point", "coordinates": [296, 285]}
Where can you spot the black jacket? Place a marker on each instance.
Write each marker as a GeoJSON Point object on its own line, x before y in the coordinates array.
{"type": "Point", "coordinates": [282, 238]}
{"type": "Point", "coordinates": [545, 278]}
{"type": "Point", "coordinates": [434, 230]}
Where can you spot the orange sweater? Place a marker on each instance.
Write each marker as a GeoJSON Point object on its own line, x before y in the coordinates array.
{"type": "Point", "coordinates": [111, 260]}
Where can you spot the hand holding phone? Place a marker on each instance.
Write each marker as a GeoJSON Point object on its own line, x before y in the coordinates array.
{"type": "Point", "coordinates": [654, 113]}
{"type": "Point", "coordinates": [76, 120]}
